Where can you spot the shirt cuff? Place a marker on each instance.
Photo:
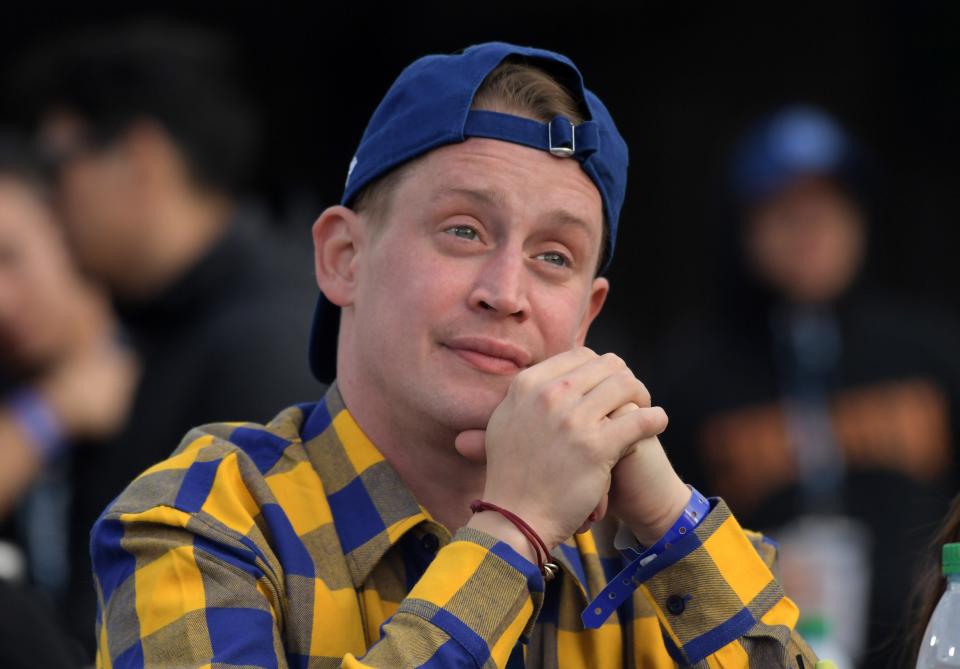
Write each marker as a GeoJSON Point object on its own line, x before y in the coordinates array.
{"type": "Point", "coordinates": [481, 592]}
{"type": "Point", "coordinates": [710, 588]}
{"type": "Point", "coordinates": [621, 587]}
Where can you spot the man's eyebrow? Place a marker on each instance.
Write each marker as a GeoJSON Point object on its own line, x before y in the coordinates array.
{"type": "Point", "coordinates": [491, 196]}
{"type": "Point", "coordinates": [487, 196]}
{"type": "Point", "coordinates": [564, 218]}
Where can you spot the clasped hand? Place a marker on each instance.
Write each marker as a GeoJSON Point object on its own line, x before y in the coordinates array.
{"type": "Point", "coordinates": [574, 433]}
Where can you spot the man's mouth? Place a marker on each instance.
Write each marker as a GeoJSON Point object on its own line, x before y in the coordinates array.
{"type": "Point", "coordinates": [488, 355]}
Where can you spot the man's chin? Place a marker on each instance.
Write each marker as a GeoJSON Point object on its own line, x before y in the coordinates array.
{"type": "Point", "coordinates": [472, 405]}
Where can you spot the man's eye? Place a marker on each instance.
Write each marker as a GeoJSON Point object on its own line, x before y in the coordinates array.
{"type": "Point", "coordinates": [555, 258]}
{"type": "Point", "coordinates": [463, 231]}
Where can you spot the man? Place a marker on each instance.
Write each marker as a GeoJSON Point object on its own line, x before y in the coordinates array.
{"type": "Point", "coordinates": [481, 204]}
{"type": "Point", "coordinates": [840, 431]}
{"type": "Point", "coordinates": [150, 138]}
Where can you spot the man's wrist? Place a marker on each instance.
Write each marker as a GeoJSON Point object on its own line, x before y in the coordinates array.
{"type": "Point", "coordinates": [37, 421]}
{"type": "Point", "coordinates": [692, 515]}
{"type": "Point", "coordinates": [642, 558]}
{"type": "Point", "coordinates": [648, 533]}
{"type": "Point", "coordinates": [501, 529]}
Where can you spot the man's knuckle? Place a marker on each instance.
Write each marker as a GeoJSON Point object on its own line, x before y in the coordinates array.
{"type": "Point", "coordinates": [652, 421]}
{"type": "Point", "coordinates": [613, 360]}
{"type": "Point", "coordinates": [643, 392]}
{"type": "Point", "coordinates": [568, 423]}
{"type": "Point", "coordinates": [641, 419]}
{"type": "Point", "coordinates": [550, 394]}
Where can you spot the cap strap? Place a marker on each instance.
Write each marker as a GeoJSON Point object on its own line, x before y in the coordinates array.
{"type": "Point", "coordinates": [560, 137]}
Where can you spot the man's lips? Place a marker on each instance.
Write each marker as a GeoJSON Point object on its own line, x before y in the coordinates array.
{"type": "Point", "coordinates": [490, 355]}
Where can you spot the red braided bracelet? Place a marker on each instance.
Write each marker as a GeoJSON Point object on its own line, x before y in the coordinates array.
{"type": "Point", "coordinates": [547, 568]}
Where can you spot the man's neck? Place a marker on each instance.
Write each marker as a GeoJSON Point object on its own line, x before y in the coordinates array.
{"type": "Point", "coordinates": [441, 480]}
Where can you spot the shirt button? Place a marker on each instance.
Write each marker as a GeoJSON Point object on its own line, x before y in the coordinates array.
{"type": "Point", "coordinates": [429, 543]}
{"type": "Point", "coordinates": [676, 604]}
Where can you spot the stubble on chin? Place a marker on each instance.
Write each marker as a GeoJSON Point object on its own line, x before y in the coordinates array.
{"type": "Point", "coordinates": [465, 405]}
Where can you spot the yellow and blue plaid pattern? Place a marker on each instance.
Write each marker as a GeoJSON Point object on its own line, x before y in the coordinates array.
{"type": "Point", "coordinates": [296, 544]}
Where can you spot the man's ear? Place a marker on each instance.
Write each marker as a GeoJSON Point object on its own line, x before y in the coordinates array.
{"type": "Point", "coordinates": [338, 236]}
{"type": "Point", "coordinates": [598, 295]}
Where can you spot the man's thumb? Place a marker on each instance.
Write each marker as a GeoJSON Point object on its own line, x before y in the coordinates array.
{"type": "Point", "coordinates": [470, 445]}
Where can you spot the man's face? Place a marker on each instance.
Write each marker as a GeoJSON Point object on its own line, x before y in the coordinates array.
{"type": "Point", "coordinates": [97, 194]}
{"type": "Point", "coordinates": [483, 266]}
{"type": "Point", "coordinates": [807, 242]}
{"type": "Point", "coordinates": [37, 280]}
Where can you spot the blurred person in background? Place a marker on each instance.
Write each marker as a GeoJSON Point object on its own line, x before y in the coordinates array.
{"type": "Point", "coordinates": [150, 140]}
{"type": "Point", "coordinates": [65, 382]}
{"type": "Point", "coordinates": [823, 411]}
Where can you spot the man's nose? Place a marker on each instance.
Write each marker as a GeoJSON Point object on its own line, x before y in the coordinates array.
{"type": "Point", "coordinates": [502, 285]}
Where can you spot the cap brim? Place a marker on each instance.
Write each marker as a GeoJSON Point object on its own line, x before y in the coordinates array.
{"type": "Point", "coordinates": [323, 340]}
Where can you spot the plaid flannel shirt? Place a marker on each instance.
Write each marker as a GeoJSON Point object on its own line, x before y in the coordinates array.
{"type": "Point", "coordinates": [297, 545]}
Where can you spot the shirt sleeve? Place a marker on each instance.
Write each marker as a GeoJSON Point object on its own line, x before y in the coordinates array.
{"type": "Point", "coordinates": [472, 605]}
{"type": "Point", "coordinates": [175, 591]}
{"type": "Point", "coordinates": [717, 600]}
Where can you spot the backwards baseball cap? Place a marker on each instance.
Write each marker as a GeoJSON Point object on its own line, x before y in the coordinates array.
{"type": "Point", "coordinates": [429, 106]}
{"type": "Point", "coordinates": [795, 142]}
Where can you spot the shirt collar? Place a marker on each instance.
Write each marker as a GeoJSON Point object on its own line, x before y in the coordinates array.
{"type": "Point", "coordinates": [371, 506]}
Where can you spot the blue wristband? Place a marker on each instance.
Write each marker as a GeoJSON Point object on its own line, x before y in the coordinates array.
{"type": "Point", "coordinates": [690, 517]}
{"type": "Point", "coordinates": [622, 586]}
{"type": "Point", "coordinates": [35, 417]}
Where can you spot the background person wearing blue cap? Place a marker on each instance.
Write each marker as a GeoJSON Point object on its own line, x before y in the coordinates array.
{"type": "Point", "coordinates": [478, 212]}
{"type": "Point", "coordinates": [822, 409]}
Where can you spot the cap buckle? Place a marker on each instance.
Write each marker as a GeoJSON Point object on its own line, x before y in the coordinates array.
{"type": "Point", "coordinates": [566, 146]}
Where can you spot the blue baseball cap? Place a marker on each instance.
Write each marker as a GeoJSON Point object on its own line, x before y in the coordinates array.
{"type": "Point", "coordinates": [797, 141]}
{"type": "Point", "coordinates": [429, 106]}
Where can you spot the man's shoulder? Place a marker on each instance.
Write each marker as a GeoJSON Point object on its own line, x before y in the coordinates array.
{"type": "Point", "coordinates": [219, 466]}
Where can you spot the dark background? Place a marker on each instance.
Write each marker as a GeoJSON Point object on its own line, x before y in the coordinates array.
{"type": "Point", "coordinates": [681, 79]}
